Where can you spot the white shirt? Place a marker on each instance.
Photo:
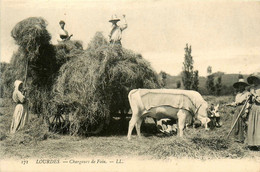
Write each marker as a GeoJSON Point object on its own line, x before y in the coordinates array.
{"type": "Point", "coordinates": [116, 32]}
{"type": "Point", "coordinates": [241, 97]}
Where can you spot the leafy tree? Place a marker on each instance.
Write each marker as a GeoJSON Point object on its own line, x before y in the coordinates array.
{"type": "Point", "coordinates": [164, 77]}
{"type": "Point", "coordinates": [3, 67]}
{"type": "Point", "coordinates": [209, 70]}
{"type": "Point", "coordinates": [178, 84]}
{"type": "Point", "coordinates": [218, 85]}
{"type": "Point", "coordinates": [210, 81]}
{"type": "Point", "coordinates": [188, 75]}
{"type": "Point", "coordinates": [195, 84]}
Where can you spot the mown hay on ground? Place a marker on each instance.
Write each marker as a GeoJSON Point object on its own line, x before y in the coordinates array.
{"type": "Point", "coordinates": [206, 146]}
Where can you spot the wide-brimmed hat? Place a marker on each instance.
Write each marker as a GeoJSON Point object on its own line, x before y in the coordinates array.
{"type": "Point", "coordinates": [252, 77]}
{"type": "Point", "coordinates": [114, 18]}
{"type": "Point", "coordinates": [242, 82]}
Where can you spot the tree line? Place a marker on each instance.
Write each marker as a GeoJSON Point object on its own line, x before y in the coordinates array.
{"type": "Point", "coordinates": [189, 78]}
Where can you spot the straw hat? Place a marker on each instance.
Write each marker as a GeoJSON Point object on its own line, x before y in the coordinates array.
{"type": "Point", "coordinates": [252, 77]}
{"type": "Point", "coordinates": [241, 81]}
{"type": "Point", "coordinates": [114, 18]}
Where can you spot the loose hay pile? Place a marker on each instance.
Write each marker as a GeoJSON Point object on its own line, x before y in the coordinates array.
{"type": "Point", "coordinates": [94, 86]}
{"type": "Point", "coordinates": [203, 147]}
{"type": "Point", "coordinates": [67, 50]}
{"type": "Point", "coordinates": [31, 33]}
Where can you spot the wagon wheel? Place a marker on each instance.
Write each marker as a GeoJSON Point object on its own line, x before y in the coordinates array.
{"type": "Point", "coordinates": [59, 124]}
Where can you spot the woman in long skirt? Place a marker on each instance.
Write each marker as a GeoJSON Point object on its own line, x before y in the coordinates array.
{"type": "Point", "coordinates": [253, 132]}
{"type": "Point", "coordinates": [20, 116]}
{"type": "Point", "coordinates": [242, 95]}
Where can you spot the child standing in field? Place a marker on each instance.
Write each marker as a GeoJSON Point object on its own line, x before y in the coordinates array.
{"type": "Point", "coordinates": [253, 132]}
{"type": "Point", "coordinates": [20, 116]}
{"type": "Point", "coordinates": [241, 97]}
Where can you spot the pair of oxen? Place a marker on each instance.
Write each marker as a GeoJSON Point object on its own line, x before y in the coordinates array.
{"type": "Point", "coordinates": [176, 104]}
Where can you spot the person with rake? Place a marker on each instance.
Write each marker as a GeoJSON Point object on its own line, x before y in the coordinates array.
{"type": "Point", "coordinates": [240, 99]}
{"type": "Point", "coordinates": [20, 116]}
{"type": "Point", "coordinates": [115, 35]}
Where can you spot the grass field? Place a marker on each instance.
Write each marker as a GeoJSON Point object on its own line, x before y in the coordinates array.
{"type": "Point", "coordinates": [197, 143]}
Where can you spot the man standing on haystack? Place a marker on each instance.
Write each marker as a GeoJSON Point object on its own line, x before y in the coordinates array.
{"type": "Point", "coordinates": [115, 35]}
{"type": "Point", "coordinates": [63, 34]}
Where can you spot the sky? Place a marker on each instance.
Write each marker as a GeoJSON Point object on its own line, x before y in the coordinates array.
{"type": "Point", "coordinates": [223, 34]}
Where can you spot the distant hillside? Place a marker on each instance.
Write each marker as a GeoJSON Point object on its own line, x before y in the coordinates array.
{"type": "Point", "coordinates": [227, 82]}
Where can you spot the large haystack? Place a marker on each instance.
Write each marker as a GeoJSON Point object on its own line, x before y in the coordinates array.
{"type": "Point", "coordinates": [94, 86]}
{"type": "Point", "coordinates": [67, 50]}
{"type": "Point", "coordinates": [90, 86]}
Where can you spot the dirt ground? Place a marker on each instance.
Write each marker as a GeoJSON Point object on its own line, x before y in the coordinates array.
{"type": "Point", "coordinates": [113, 145]}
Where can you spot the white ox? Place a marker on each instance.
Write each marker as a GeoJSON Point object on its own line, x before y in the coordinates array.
{"type": "Point", "coordinates": [166, 103]}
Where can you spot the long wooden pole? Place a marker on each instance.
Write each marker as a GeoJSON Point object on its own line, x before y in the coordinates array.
{"type": "Point", "coordinates": [26, 72]}
{"type": "Point", "coordinates": [25, 82]}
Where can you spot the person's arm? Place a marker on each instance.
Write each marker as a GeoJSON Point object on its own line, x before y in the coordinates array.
{"type": "Point", "coordinates": [233, 104]}
{"type": "Point", "coordinates": [59, 38]}
{"type": "Point", "coordinates": [112, 31]}
{"type": "Point", "coordinates": [21, 97]}
{"type": "Point", "coordinates": [256, 97]}
{"type": "Point", "coordinates": [241, 99]}
{"type": "Point", "coordinates": [68, 38]}
{"type": "Point", "coordinates": [124, 25]}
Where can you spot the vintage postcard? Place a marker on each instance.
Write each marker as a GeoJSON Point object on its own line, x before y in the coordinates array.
{"type": "Point", "coordinates": [110, 85]}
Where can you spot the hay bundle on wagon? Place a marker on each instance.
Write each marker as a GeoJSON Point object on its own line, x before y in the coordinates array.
{"type": "Point", "coordinates": [94, 86]}
{"type": "Point", "coordinates": [90, 85]}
